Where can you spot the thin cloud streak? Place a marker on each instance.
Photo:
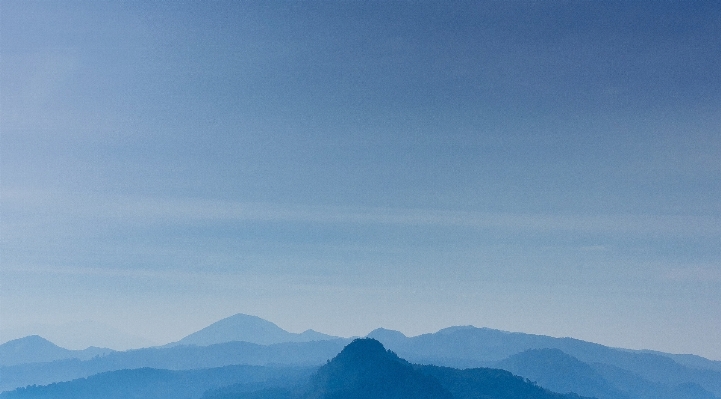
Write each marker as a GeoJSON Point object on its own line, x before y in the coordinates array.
{"type": "Point", "coordinates": [188, 211]}
{"type": "Point", "coordinates": [248, 281]}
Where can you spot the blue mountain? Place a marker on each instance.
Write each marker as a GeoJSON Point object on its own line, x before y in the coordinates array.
{"type": "Point", "coordinates": [557, 371]}
{"type": "Point", "coordinates": [364, 369]}
{"type": "Point", "coordinates": [149, 383]}
{"type": "Point", "coordinates": [558, 364]}
{"type": "Point", "coordinates": [246, 328]}
{"type": "Point", "coordinates": [174, 358]}
{"type": "Point", "coordinates": [627, 374]}
{"type": "Point", "coordinates": [34, 349]}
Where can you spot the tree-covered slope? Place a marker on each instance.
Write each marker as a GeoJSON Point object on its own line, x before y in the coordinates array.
{"type": "Point", "coordinates": [468, 346]}
{"type": "Point", "coordinates": [366, 370]}
{"type": "Point", "coordinates": [148, 383]}
{"type": "Point", "coordinates": [173, 358]}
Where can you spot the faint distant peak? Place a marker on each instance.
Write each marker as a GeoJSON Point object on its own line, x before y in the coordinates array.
{"type": "Point", "coordinates": [247, 321]}
{"type": "Point", "coordinates": [313, 335]}
{"type": "Point", "coordinates": [248, 328]}
{"type": "Point", "coordinates": [387, 336]}
{"type": "Point", "coordinates": [455, 329]}
{"type": "Point", "coordinates": [31, 340]}
{"type": "Point", "coordinates": [36, 349]}
{"type": "Point", "coordinates": [30, 349]}
{"type": "Point", "coordinates": [80, 335]}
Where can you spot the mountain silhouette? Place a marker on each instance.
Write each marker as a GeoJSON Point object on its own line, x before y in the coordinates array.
{"type": "Point", "coordinates": [557, 371]}
{"type": "Point", "coordinates": [186, 357]}
{"type": "Point", "coordinates": [78, 335]}
{"type": "Point", "coordinates": [30, 349]}
{"type": "Point", "coordinates": [573, 366]}
{"type": "Point", "coordinates": [150, 383]}
{"type": "Point", "coordinates": [246, 328]}
{"type": "Point", "coordinates": [365, 369]}
{"type": "Point", "coordinates": [468, 347]}
{"type": "Point", "coordinates": [35, 349]}
{"type": "Point", "coordinates": [388, 337]}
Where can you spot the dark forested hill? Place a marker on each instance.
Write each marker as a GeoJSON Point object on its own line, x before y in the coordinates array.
{"type": "Point", "coordinates": [558, 364]}
{"type": "Point", "coordinates": [364, 369]}
{"type": "Point", "coordinates": [148, 383]}
{"type": "Point", "coordinates": [468, 346]}
{"type": "Point", "coordinates": [175, 358]}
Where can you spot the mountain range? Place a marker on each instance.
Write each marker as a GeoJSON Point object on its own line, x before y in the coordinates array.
{"type": "Point", "coordinates": [34, 348]}
{"type": "Point", "coordinates": [246, 328]}
{"type": "Point", "coordinates": [364, 369]}
{"type": "Point", "coordinates": [165, 384]}
{"type": "Point", "coordinates": [636, 374]}
{"type": "Point", "coordinates": [187, 357]}
{"type": "Point", "coordinates": [79, 335]}
{"type": "Point", "coordinates": [562, 365]}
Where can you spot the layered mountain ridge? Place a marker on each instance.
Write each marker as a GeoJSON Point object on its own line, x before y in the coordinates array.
{"type": "Point", "coordinates": [363, 369]}
{"type": "Point", "coordinates": [564, 365]}
{"type": "Point", "coordinates": [34, 348]}
{"type": "Point", "coordinates": [247, 328]}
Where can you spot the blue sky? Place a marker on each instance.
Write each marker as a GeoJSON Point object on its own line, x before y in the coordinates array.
{"type": "Point", "coordinates": [545, 167]}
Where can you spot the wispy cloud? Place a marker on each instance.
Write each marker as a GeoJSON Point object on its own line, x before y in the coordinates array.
{"type": "Point", "coordinates": [188, 210]}
{"type": "Point", "coordinates": [144, 210]}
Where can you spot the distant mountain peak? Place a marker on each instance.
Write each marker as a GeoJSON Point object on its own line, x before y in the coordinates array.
{"type": "Point", "coordinates": [35, 341]}
{"type": "Point", "coordinates": [34, 349]}
{"type": "Point", "coordinates": [245, 317]}
{"type": "Point", "coordinates": [383, 334]}
{"type": "Point", "coordinates": [382, 330]}
{"type": "Point", "coordinates": [312, 335]}
{"type": "Point", "coordinates": [30, 349]}
{"type": "Point", "coordinates": [247, 328]}
{"type": "Point", "coordinates": [453, 329]}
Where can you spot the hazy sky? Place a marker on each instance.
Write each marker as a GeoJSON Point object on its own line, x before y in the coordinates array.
{"type": "Point", "coordinates": [545, 167]}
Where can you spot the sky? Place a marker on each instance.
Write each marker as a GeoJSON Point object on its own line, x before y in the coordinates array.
{"type": "Point", "coordinates": [543, 167]}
